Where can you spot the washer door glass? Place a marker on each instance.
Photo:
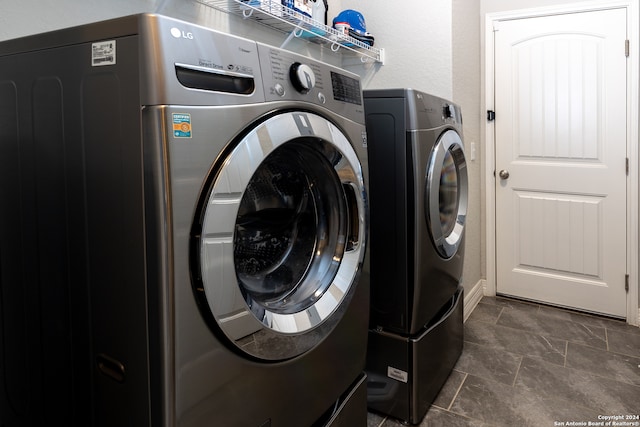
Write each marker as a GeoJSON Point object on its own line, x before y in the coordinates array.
{"type": "Point", "coordinates": [447, 193]}
{"type": "Point", "coordinates": [281, 236]}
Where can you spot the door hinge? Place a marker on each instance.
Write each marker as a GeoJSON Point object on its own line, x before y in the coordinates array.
{"type": "Point", "coordinates": [626, 48]}
{"type": "Point", "coordinates": [626, 167]}
{"type": "Point", "coordinates": [491, 115]}
{"type": "Point", "coordinates": [626, 283]}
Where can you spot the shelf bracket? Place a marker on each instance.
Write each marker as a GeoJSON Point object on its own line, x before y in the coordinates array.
{"type": "Point", "coordinates": [296, 33]}
{"type": "Point", "coordinates": [381, 57]}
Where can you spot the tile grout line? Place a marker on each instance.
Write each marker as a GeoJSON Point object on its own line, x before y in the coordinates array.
{"type": "Point", "coordinates": [455, 396]}
{"type": "Point", "coordinates": [586, 327]}
{"type": "Point", "coordinates": [499, 314]}
{"type": "Point", "coordinates": [515, 378]}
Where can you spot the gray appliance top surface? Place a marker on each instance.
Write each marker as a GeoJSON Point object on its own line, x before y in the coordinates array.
{"type": "Point", "coordinates": [212, 59]}
{"type": "Point", "coordinates": [420, 110]}
{"type": "Point", "coordinates": [118, 27]}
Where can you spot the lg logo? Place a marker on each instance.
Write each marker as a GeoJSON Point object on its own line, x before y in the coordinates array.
{"type": "Point", "coordinates": [178, 33]}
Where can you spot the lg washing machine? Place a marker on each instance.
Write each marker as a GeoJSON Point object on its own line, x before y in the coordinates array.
{"type": "Point", "coordinates": [418, 198]}
{"type": "Point", "coordinates": [183, 231]}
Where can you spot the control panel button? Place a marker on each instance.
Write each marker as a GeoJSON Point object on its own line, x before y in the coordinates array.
{"type": "Point", "coordinates": [302, 77]}
{"type": "Point", "coordinates": [279, 89]}
{"type": "Point", "coordinates": [322, 98]}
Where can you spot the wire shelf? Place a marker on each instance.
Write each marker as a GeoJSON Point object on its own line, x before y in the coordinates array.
{"type": "Point", "coordinates": [274, 15]}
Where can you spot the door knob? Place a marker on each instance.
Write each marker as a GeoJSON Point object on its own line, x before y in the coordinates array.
{"type": "Point", "coordinates": [504, 174]}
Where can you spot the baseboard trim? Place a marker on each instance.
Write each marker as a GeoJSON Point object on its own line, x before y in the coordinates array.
{"type": "Point", "coordinates": [472, 297]}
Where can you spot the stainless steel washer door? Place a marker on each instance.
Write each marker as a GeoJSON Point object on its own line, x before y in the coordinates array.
{"type": "Point", "coordinates": [447, 193]}
{"type": "Point", "coordinates": [282, 236]}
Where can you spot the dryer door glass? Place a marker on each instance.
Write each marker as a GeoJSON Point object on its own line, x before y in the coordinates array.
{"type": "Point", "coordinates": [447, 193]}
{"type": "Point", "coordinates": [281, 236]}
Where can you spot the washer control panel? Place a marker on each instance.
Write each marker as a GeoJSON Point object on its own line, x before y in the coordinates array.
{"type": "Point", "coordinates": [451, 113]}
{"type": "Point", "coordinates": [288, 76]}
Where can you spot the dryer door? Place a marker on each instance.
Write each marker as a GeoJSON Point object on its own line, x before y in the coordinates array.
{"type": "Point", "coordinates": [447, 193]}
{"type": "Point", "coordinates": [280, 237]}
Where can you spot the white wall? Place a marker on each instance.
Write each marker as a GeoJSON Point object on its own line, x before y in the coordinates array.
{"type": "Point", "coordinates": [466, 92]}
{"type": "Point", "coordinates": [489, 6]}
{"type": "Point", "coordinates": [24, 17]}
{"type": "Point", "coordinates": [416, 36]}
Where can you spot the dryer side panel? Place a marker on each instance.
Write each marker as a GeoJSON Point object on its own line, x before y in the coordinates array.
{"type": "Point", "coordinates": [73, 340]}
{"type": "Point", "coordinates": [389, 256]}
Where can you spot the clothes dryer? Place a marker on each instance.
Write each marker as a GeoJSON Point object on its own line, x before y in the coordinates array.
{"type": "Point", "coordinates": [418, 211]}
{"type": "Point", "coordinates": [419, 194]}
{"type": "Point", "coordinates": [183, 227]}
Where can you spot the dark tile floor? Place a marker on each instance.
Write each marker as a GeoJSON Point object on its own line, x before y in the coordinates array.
{"type": "Point", "coordinates": [531, 365]}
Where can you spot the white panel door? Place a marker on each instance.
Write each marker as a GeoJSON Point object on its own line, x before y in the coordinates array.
{"type": "Point", "coordinates": [560, 159]}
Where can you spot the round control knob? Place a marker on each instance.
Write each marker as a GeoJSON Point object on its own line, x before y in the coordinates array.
{"type": "Point", "coordinates": [302, 77]}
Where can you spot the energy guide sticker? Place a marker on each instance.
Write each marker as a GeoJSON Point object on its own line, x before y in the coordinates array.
{"type": "Point", "coordinates": [182, 125]}
{"type": "Point", "coordinates": [103, 53]}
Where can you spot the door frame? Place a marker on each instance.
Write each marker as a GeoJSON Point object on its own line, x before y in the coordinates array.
{"type": "Point", "coordinates": [633, 187]}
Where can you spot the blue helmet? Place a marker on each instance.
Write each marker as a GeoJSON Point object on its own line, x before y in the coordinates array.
{"type": "Point", "coordinates": [353, 18]}
{"type": "Point", "coordinates": [357, 26]}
